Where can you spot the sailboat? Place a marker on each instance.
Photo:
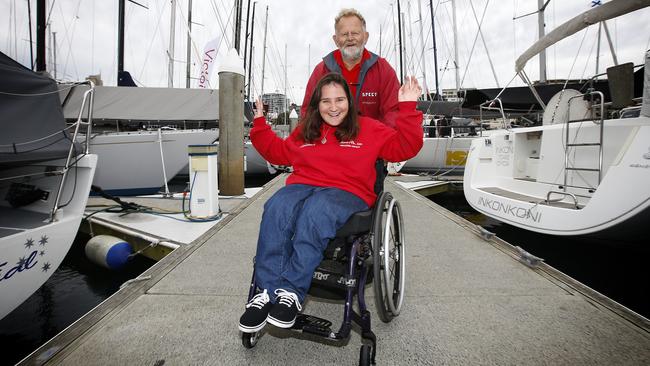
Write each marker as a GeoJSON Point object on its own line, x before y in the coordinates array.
{"type": "Point", "coordinates": [586, 170]}
{"type": "Point", "coordinates": [45, 178]}
{"type": "Point", "coordinates": [144, 160]}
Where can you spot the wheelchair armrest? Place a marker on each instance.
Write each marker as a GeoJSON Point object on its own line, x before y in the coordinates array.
{"type": "Point", "coordinates": [358, 223]}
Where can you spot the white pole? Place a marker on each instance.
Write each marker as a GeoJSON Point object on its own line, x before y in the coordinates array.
{"type": "Point", "coordinates": [172, 26]}
{"type": "Point", "coordinates": [285, 85]}
{"type": "Point", "coordinates": [456, 65]}
{"type": "Point", "coordinates": [266, 23]}
{"type": "Point", "coordinates": [162, 159]}
{"type": "Point", "coordinates": [542, 54]}
{"type": "Point", "coordinates": [425, 88]}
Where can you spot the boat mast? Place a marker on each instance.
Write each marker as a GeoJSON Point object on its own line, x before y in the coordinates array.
{"type": "Point", "coordinates": [31, 47]}
{"type": "Point", "coordinates": [540, 25]}
{"type": "Point", "coordinates": [237, 25]}
{"type": "Point", "coordinates": [188, 68]}
{"type": "Point", "coordinates": [40, 35]}
{"type": "Point", "coordinates": [435, 51]}
{"type": "Point", "coordinates": [248, 19]}
{"type": "Point", "coordinates": [600, 28]}
{"type": "Point", "coordinates": [120, 37]}
{"type": "Point", "coordinates": [611, 45]}
{"type": "Point", "coordinates": [266, 23]}
{"type": "Point", "coordinates": [399, 26]}
{"type": "Point", "coordinates": [286, 100]}
{"type": "Point", "coordinates": [453, 13]}
{"type": "Point", "coordinates": [53, 47]}
{"type": "Point", "coordinates": [172, 26]}
{"type": "Point", "coordinates": [250, 55]}
{"type": "Point", "coordinates": [425, 88]}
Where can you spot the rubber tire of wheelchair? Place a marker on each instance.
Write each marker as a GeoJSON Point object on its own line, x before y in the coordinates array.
{"type": "Point", "coordinates": [383, 310]}
{"type": "Point", "coordinates": [365, 354]}
{"type": "Point", "coordinates": [249, 340]}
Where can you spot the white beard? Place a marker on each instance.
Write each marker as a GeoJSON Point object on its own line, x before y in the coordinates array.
{"type": "Point", "coordinates": [351, 53]}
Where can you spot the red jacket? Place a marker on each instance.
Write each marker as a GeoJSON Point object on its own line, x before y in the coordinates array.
{"type": "Point", "coordinates": [377, 96]}
{"type": "Point", "coordinates": [347, 165]}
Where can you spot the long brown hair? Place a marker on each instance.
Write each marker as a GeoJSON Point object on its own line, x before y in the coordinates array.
{"type": "Point", "coordinates": [312, 120]}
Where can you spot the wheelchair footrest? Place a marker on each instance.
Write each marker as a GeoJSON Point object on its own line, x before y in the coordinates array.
{"type": "Point", "coordinates": [314, 325]}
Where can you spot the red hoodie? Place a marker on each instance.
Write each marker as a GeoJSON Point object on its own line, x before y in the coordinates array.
{"type": "Point", "coordinates": [347, 165]}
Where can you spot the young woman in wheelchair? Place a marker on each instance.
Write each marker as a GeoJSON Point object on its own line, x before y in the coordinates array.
{"type": "Point", "coordinates": [333, 152]}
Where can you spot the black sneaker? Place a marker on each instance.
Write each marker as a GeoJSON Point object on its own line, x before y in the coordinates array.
{"type": "Point", "coordinates": [283, 314]}
{"type": "Point", "coordinates": [254, 318]}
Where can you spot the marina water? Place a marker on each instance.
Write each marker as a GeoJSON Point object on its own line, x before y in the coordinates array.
{"type": "Point", "coordinates": [74, 289]}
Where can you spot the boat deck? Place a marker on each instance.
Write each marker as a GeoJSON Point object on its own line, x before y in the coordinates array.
{"type": "Point", "coordinates": [468, 301]}
{"type": "Point", "coordinates": [14, 220]}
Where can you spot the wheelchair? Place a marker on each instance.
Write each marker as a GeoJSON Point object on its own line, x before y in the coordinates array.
{"type": "Point", "coordinates": [368, 248]}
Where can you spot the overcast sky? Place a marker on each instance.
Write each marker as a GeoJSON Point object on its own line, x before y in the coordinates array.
{"type": "Point", "coordinates": [86, 39]}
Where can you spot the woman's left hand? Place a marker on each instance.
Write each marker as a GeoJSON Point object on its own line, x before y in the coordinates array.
{"type": "Point", "coordinates": [410, 91]}
{"type": "Point", "coordinates": [259, 108]}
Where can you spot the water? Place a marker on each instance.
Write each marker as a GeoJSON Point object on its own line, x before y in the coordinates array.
{"type": "Point", "coordinates": [616, 269]}
{"type": "Point", "coordinates": [75, 288]}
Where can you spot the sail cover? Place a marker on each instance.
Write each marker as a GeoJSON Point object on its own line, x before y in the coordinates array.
{"type": "Point", "coordinates": [600, 13]}
{"type": "Point", "coordinates": [115, 103]}
{"type": "Point", "coordinates": [31, 118]}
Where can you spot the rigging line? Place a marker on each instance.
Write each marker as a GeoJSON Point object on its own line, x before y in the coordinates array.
{"type": "Point", "coordinates": [222, 26]}
{"type": "Point", "coordinates": [576, 58]}
{"type": "Point", "coordinates": [382, 25]}
{"type": "Point", "coordinates": [514, 30]}
{"type": "Point", "coordinates": [72, 85]}
{"type": "Point", "coordinates": [273, 60]}
{"type": "Point", "coordinates": [447, 47]}
{"type": "Point", "coordinates": [280, 73]}
{"type": "Point", "coordinates": [197, 55]}
{"type": "Point", "coordinates": [72, 25]}
{"type": "Point", "coordinates": [146, 57]}
{"type": "Point", "coordinates": [487, 50]}
{"type": "Point", "coordinates": [49, 14]}
{"type": "Point", "coordinates": [471, 52]}
{"type": "Point", "coordinates": [591, 50]}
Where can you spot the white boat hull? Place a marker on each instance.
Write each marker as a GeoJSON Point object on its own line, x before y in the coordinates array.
{"type": "Point", "coordinates": [439, 155]}
{"type": "Point", "coordinates": [32, 247]}
{"type": "Point", "coordinates": [509, 175]}
{"type": "Point", "coordinates": [130, 162]}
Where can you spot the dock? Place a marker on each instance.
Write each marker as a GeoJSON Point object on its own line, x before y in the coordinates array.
{"type": "Point", "coordinates": [471, 298]}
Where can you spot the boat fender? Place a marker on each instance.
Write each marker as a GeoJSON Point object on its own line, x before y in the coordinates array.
{"type": "Point", "coordinates": [108, 251]}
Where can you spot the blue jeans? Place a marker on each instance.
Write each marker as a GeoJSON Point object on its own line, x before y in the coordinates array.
{"type": "Point", "coordinates": [297, 223]}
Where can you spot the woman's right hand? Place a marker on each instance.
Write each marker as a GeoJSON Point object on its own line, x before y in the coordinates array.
{"type": "Point", "coordinates": [410, 91]}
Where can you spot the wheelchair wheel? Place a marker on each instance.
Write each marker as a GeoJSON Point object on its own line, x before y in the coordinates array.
{"type": "Point", "coordinates": [388, 258]}
{"type": "Point", "coordinates": [249, 340]}
{"type": "Point", "coordinates": [365, 355]}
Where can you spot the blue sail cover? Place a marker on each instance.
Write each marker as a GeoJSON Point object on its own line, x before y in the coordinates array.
{"type": "Point", "coordinates": [31, 118]}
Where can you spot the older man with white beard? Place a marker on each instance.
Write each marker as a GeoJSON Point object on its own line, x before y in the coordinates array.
{"type": "Point", "coordinates": [372, 80]}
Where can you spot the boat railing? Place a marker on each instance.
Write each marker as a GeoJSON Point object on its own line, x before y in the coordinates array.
{"type": "Point", "coordinates": [490, 105]}
{"type": "Point", "coordinates": [88, 99]}
{"type": "Point", "coordinates": [568, 144]}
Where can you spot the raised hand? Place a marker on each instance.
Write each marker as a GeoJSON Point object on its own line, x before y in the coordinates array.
{"type": "Point", "coordinates": [410, 91]}
{"type": "Point", "coordinates": [259, 108]}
